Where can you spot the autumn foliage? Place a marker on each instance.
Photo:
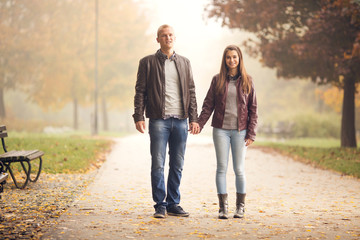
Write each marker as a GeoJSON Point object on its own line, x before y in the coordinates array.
{"type": "Point", "coordinates": [47, 51]}
{"type": "Point", "coordinates": [307, 39]}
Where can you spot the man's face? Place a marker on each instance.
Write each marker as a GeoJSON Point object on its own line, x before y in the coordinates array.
{"type": "Point", "coordinates": [166, 38]}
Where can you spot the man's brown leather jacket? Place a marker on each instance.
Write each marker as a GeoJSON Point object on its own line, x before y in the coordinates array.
{"type": "Point", "coordinates": [246, 107]}
{"type": "Point", "coordinates": [150, 88]}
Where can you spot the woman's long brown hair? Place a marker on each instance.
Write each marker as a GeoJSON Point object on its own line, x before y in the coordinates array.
{"type": "Point", "coordinates": [245, 83]}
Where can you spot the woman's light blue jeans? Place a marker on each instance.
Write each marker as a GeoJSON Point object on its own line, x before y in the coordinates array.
{"type": "Point", "coordinates": [172, 132]}
{"type": "Point", "coordinates": [223, 140]}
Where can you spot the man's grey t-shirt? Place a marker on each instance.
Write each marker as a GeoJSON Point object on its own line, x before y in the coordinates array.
{"type": "Point", "coordinates": [173, 101]}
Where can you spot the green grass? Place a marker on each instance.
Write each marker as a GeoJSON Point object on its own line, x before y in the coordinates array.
{"type": "Point", "coordinates": [64, 153]}
{"type": "Point", "coordinates": [323, 153]}
{"type": "Point", "coordinates": [307, 142]}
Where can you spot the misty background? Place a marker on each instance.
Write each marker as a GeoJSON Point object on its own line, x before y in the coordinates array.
{"type": "Point", "coordinates": [56, 91]}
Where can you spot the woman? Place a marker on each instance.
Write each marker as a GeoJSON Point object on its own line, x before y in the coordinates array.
{"type": "Point", "coordinates": [232, 98]}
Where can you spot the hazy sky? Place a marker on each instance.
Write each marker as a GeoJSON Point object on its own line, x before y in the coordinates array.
{"type": "Point", "coordinates": [198, 38]}
{"type": "Point", "coordinates": [203, 42]}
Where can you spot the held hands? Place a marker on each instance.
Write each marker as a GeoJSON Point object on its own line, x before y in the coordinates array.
{"type": "Point", "coordinates": [194, 128]}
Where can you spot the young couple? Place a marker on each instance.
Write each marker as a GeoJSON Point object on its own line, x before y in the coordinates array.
{"type": "Point", "coordinates": [165, 91]}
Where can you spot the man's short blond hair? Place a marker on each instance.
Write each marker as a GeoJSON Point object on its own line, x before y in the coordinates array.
{"type": "Point", "coordinates": [162, 27]}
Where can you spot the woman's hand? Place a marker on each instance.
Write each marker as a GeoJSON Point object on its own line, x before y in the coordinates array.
{"type": "Point", "coordinates": [248, 142]}
{"type": "Point", "coordinates": [194, 128]}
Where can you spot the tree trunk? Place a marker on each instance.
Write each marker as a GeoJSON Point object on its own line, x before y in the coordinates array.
{"type": "Point", "coordinates": [348, 133]}
{"type": "Point", "coordinates": [76, 113]}
{"type": "Point", "coordinates": [104, 114]}
{"type": "Point", "coordinates": [2, 104]}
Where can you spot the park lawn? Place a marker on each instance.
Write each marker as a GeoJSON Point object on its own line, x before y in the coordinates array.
{"type": "Point", "coordinates": [64, 153]}
{"type": "Point", "coordinates": [323, 153]}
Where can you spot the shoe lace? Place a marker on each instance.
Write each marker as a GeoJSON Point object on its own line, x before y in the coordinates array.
{"type": "Point", "coordinates": [159, 210]}
{"type": "Point", "coordinates": [179, 208]}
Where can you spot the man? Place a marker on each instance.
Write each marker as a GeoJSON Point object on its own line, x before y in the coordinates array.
{"type": "Point", "coordinates": [165, 91]}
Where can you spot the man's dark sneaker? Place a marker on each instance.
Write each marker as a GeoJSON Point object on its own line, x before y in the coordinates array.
{"type": "Point", "coordinates": [176, 210]}
{"type": "Point", "coordinates": [160, 212]}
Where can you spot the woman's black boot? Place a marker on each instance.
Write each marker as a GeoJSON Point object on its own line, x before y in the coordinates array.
{"type": "Point", "coordinates": [240, 205]}
{"type": "Point", "coordinates": [223, 206]}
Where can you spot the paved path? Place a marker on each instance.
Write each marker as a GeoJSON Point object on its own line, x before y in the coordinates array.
{"type": "Point", "coordinates": [285, 199]}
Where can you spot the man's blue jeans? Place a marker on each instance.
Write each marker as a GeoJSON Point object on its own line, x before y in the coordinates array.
{"type": "Point", "coordinates": [223, 140]}
{"type": "Point", "coordinates": [162, 132]}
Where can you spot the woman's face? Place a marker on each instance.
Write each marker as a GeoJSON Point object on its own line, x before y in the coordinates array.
{"type": "Point", "coordinates": [232, 59]}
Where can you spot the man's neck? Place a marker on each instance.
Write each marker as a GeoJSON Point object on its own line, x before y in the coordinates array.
{"type": "Point", "coordinates": [168, 52]}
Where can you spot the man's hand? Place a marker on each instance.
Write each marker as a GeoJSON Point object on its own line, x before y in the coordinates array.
{"type": "Point", "coordinates": [194, 128]}
{"type": "Point", "coordinates": [140, 126]}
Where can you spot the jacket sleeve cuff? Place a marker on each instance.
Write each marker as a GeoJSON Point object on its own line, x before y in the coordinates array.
{"type": "Point", "coordinates": [250, 136]}
{"type": "Point", "coordinates": [138, 118]}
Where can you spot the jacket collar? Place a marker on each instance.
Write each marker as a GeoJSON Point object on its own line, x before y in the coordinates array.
{"type": "Point", "coordinates": [236, 77]}
{"type": "Point", "coordinates": [163, 57]}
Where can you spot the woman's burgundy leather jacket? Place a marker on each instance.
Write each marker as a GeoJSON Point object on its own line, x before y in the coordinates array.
{"type": "Point", "coordinates": [246, 105]}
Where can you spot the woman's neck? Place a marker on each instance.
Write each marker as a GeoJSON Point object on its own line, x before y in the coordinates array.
{"type": "Point", "coordinates": [233, 72]}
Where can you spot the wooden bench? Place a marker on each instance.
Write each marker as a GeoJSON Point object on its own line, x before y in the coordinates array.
{"type": "Point", "coordinates": [24, 157]}
{"type": "Point", "coordinates": [3, 177]}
